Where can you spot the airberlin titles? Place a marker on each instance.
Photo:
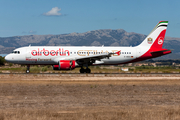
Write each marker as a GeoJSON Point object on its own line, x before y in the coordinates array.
{"type": "Point", "coordinates": [62, 52]}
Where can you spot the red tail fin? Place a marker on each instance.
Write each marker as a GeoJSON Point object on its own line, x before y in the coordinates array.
{"type": "Point", "coordinates": [158, 43]}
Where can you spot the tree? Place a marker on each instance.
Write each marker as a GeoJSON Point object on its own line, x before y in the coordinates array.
{"type": "Point", "coordinates": [2, 60]}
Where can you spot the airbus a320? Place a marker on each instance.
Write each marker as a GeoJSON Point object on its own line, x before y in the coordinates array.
{"type": "Point", "coordinates": [70, 57]}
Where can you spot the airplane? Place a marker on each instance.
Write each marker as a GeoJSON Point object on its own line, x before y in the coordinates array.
{"type": "Point", "coordinates": [70, 57]}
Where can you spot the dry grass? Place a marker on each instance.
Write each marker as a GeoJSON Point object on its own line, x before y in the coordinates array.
{"type": "Point", "coordinates": [64, 99]}
{"type": "Point", "coordinates": [106, 113]}
{"type": "Point", "coordinates": [121, 114]}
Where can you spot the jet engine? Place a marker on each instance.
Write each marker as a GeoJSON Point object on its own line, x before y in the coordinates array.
{"type": "Point", "coordinates": [65, 65]}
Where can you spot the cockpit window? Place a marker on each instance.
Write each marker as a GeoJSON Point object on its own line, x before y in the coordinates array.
{"type": "Point", "coordinates": [16, 52]}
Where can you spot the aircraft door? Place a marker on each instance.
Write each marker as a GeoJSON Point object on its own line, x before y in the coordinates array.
{"type": "Point", "coordinates": [28, 53]}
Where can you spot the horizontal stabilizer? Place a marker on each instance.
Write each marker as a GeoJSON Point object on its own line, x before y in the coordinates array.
{"type": "Point", "coordinates": [161, 51]}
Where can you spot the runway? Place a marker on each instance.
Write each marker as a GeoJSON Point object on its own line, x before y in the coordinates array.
{"type": "Point", "coordinates": [97, 74]}
{"type": "Point", "coordinates": [88, 77]}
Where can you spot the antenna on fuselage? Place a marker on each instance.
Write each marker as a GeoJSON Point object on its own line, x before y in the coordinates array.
{"type": "Point", "coordinates": [102, 45]}
{"type": "Point", "coordinates": [30, 45]}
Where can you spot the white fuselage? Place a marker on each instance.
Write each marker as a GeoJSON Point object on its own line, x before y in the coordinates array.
{"type": "Point", "coordinates": [52, 54]}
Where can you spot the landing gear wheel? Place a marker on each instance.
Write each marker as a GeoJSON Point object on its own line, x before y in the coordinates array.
{"type": "Point", "coordinates": [28, 67]}
{"type": "Point", "coordinates": [27, 71]}
{"type": "Point", "coordinates": [88, 70]}
{"type": "Point", "coordinates": [82, 70]}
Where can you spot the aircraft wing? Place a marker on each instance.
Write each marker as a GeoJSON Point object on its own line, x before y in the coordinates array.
{"type": "Point", "coordinates": [92, 58]}
{"type": "Point", "coordinates": [98, 56]}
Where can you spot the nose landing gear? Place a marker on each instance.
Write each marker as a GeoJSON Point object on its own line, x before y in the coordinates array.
{"type": "Point", "coordinates": [28, 67]}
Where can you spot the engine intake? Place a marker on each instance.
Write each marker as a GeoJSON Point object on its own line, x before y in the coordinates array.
{"type": "Point", "coordinates": [65, 65]}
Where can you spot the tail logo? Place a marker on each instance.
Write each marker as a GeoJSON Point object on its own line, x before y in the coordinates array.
{"type": "Point", "coordinates": [149, 40]}
{"type": "Point", "coordinates": [160, 40]}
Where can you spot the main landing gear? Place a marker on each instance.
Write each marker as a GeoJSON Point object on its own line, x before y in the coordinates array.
{"type": "Point", "coordinates": [28, 67]}
{"type": "Point", "coordinates": [87, 70]}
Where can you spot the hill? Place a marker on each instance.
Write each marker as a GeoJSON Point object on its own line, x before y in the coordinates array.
{"type": "Point", "coordinates": [106, 37]}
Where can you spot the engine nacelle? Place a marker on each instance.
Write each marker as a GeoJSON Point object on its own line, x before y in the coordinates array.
{"type": "Point", "coordinates": [65, 65]}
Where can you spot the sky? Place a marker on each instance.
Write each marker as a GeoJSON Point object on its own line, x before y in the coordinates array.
{"type": "Point", "coordinates": [42, 17]}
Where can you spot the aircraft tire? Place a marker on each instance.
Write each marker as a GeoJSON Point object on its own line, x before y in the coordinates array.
{"type": "Point", "coordinates": [88, 70]}
{"type": "Point", "coordinates": [82, 70]}
{"type": "Point", "coordinates": [27, 71]}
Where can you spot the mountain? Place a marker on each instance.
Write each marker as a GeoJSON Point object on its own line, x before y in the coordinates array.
{"type": "Point", "coordinates": [106, 37]}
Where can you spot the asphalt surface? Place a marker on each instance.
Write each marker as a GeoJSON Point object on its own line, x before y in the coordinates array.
{"type": "Point", "coordinates": [103, 74]}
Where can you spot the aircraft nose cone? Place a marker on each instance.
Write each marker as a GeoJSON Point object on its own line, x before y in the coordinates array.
{"type": "Point", "coordinates": [7, 58]}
